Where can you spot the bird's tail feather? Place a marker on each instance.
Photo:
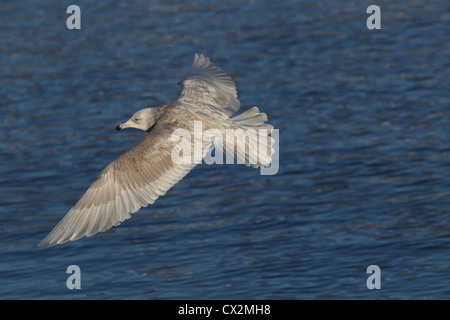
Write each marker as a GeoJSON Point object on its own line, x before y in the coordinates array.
{"type": "Point", "coordinates": [252, 143]}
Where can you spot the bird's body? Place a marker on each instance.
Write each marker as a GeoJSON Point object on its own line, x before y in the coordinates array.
{"type": "Point", "coordinates": [147, 171]}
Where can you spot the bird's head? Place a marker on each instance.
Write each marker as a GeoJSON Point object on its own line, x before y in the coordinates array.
{"type": "Point", "coordinates": [143, 120]}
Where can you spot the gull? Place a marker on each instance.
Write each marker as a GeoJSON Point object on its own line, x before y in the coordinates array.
{"type": "Point", "coordinates": [147, 171]}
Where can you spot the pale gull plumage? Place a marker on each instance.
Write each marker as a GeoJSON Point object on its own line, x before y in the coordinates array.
{"type": "Point", "coordinates": [146, 171]}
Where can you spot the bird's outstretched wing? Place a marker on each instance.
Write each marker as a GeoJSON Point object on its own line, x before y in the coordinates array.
{"type": "Point", "coordinates": [134, 180]}
{"type": "Point", "coordinates": [207, 83]}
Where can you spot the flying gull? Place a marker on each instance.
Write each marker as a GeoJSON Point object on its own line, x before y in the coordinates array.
{"type": "Point", "coordinates": [147, 171]}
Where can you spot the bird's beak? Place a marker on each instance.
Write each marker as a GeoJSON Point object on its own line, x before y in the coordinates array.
{"type": "Point", "coordinates": [122, 126]}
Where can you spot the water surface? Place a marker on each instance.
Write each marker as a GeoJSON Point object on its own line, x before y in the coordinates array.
{"type": "Point", "coordinates": [364, 124]}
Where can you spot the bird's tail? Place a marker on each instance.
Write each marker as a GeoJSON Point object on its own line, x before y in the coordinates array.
{"type": "Point", "coordinates": [252, 143]}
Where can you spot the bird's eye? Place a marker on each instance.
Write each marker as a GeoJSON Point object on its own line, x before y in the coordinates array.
{"type": "Point", "coordinates": [136, 119]}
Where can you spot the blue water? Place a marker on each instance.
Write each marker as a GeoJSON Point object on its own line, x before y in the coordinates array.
{"type": "Point", "coordinates": [364, 177]}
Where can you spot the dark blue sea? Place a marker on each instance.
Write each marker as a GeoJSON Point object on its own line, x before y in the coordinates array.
{"type": "Point", "coordinates": [364, 149]}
